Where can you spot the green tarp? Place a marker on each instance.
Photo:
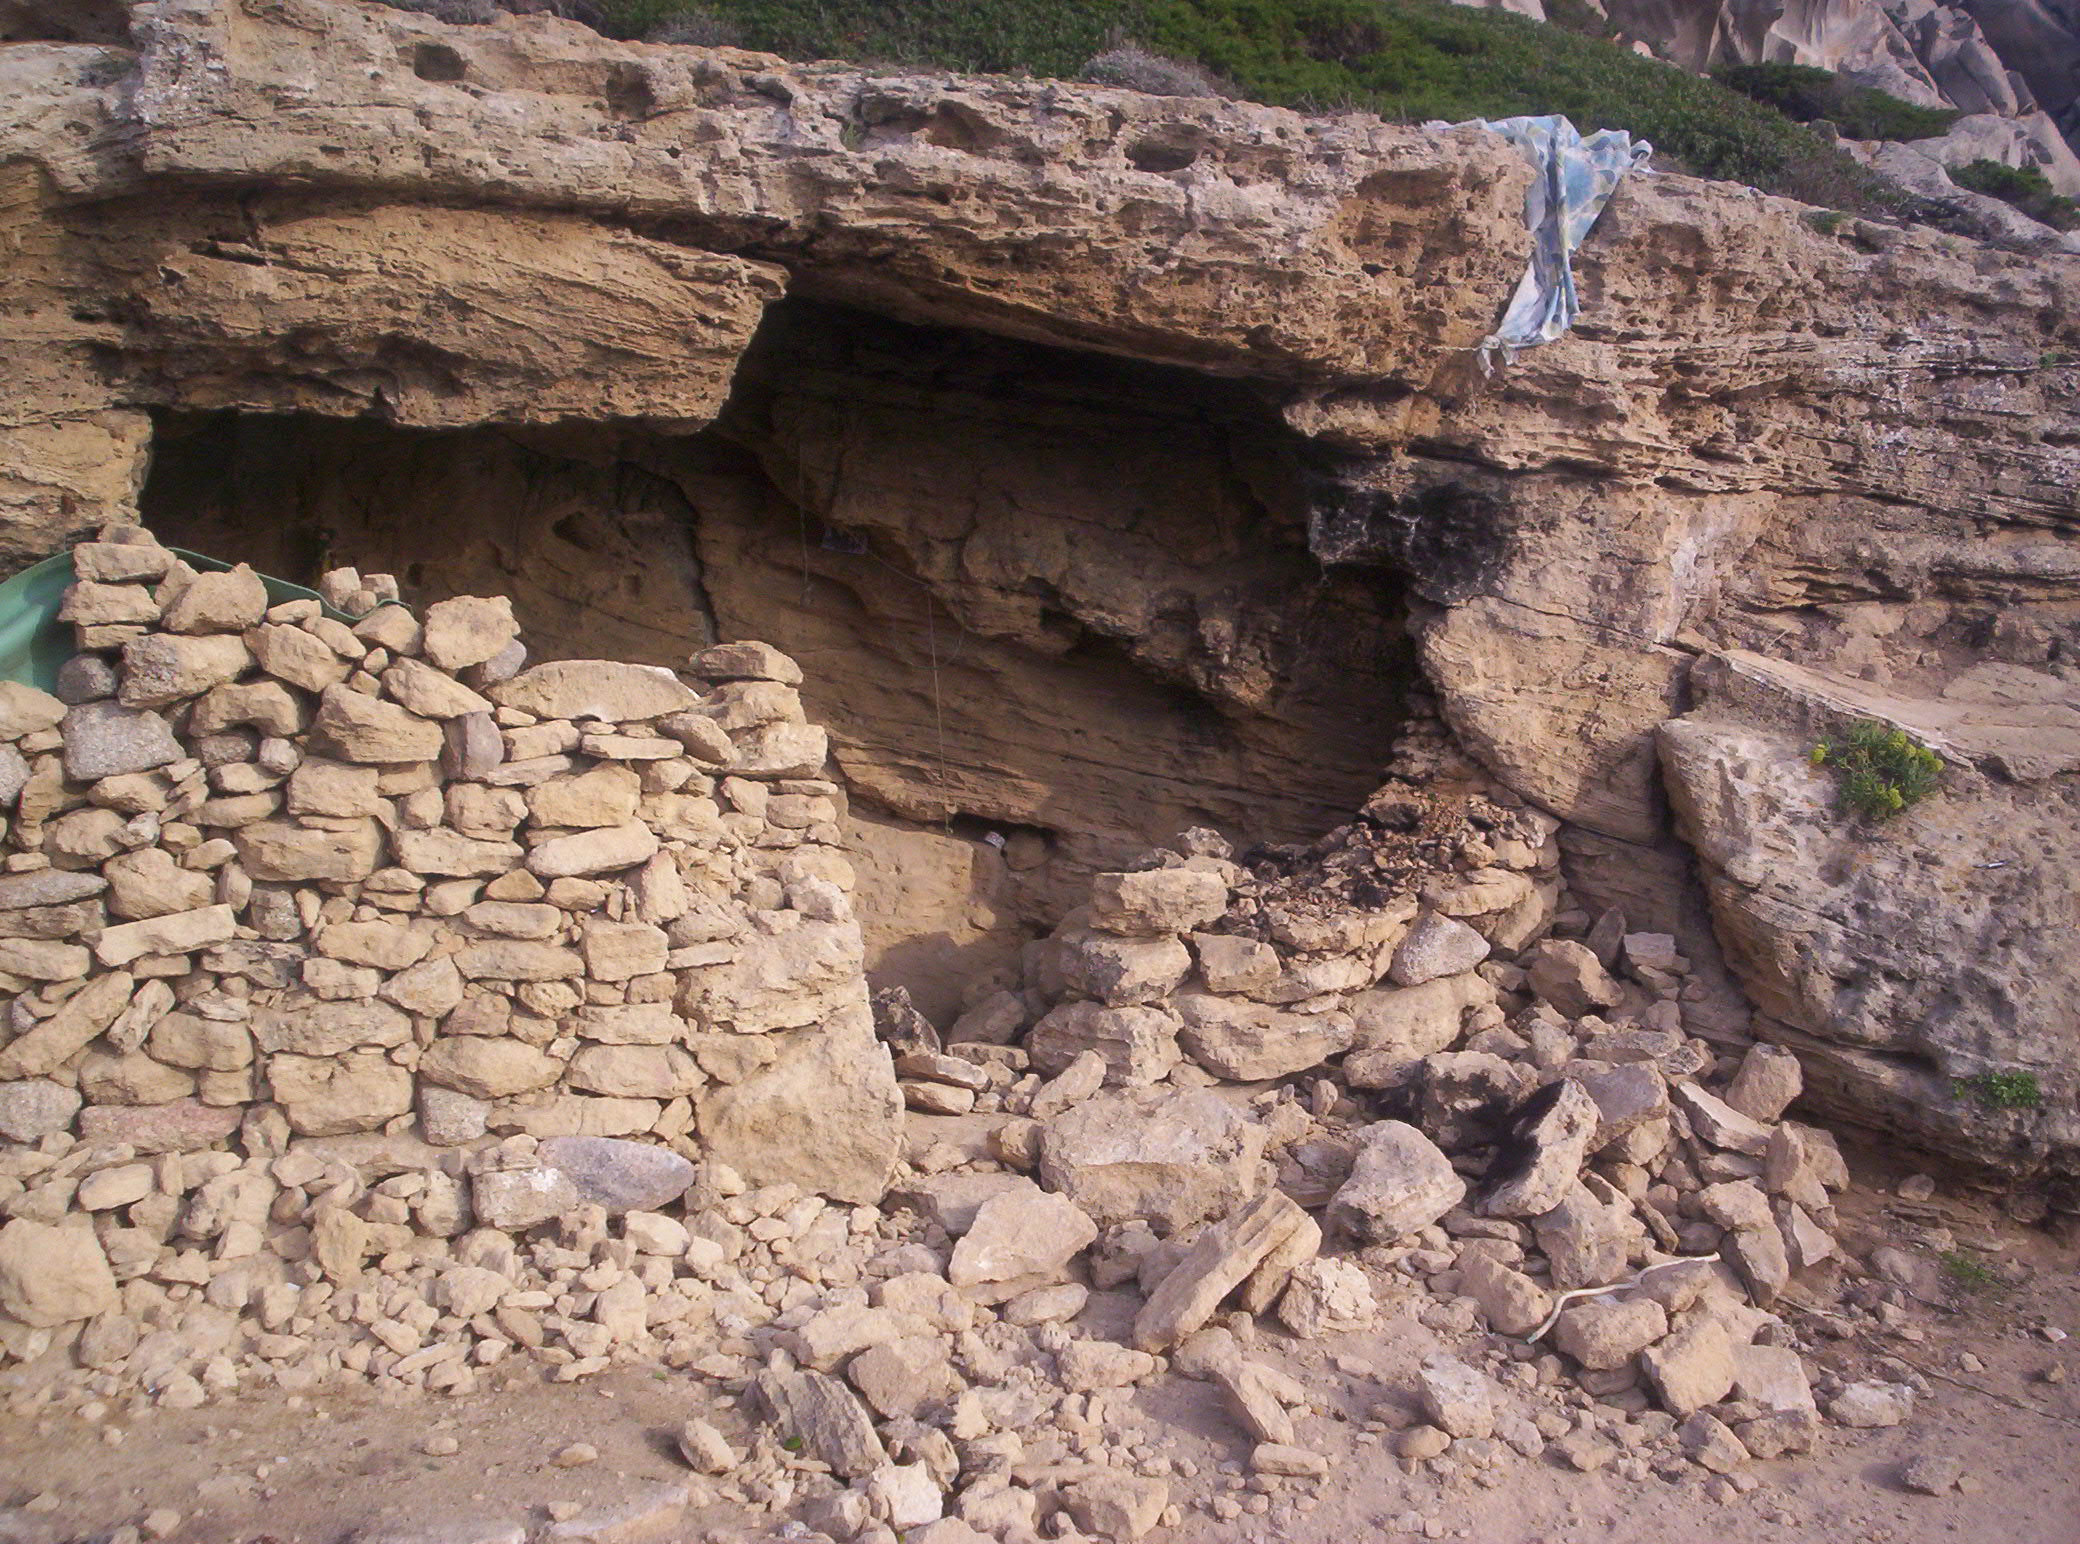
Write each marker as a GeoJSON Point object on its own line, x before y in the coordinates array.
{"type": "Point", "coordinates": [34, 643]}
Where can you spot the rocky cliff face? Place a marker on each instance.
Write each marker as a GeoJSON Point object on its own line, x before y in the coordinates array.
{"type": "Point", "coordinates": [1016, 408]}
{"type": "Point", "coordinates": [2011, 66]}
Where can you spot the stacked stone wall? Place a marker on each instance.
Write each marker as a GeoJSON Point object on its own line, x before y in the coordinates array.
{"type": "Point", "coordinates": [271, 875]}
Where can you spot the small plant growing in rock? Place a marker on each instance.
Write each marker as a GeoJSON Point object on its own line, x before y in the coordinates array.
{"type": "Point", "coordinates": [1142, 69]}
{"type": "Point", "coordinates": [2002, 1090]}
{"type": "Point", "coordinates": [1967, 1272]}
{"type": "Point", "coordinates": [1880, 771]}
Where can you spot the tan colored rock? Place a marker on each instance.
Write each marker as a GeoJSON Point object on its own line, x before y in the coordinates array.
{"type": "Point", "coordinates": [311, 1027]}
{"type": "Point", "coordinates": [595, 689]}
{"type": "Point", "coordinates": [443, 852]}
{"type": "Point", "coordinates": [1568, 976]}
{"type": "Point", "coordinates": [1231, 964]}
{"type": "Point", "coordinates": [148, 883]}
{"type": "Point", "coordinates": [429, 989]}
{"type": "Point", "coordinates": [467, 630]}
{"type": "Point", "coordinates": [1155, 902]}
{"type": "Point", "coordinates": [25, 711]}
{"type": "Point", "coordinates": [175, 933]}
{"type": "Point", "coordinates": [1168, 1157]}
{"type": "Point", "coordinates": [107, 1079]}
{"type": "Point", "coordinates": [782, 750]}
{"type": "Point", "coordinates": [423, 690]}
{"type": "Point", "coordinates": [267, 706]}
{"type": "Point", "coordinates": [188, 1040]}
{"type": "Point", "coordinates": [47, 1046]}
{"type": "Point", "coordinates": [1399, 1182]}
{"type": "Point", "coordinates": [1219, 1261]}
{"type": "Point", "coordinates": [747, 661]}
{"type": "Point", "coordinates": [184, 1126]}
{"type": "Point", "coordinates": [1768, 1080]}
{"type": "Point", "coordinates": [161, 669]}
{"type": "Point", "coordinates": [635, 1071]}
{"type": "Point", "coordinates": [1719, 1123]}
{"type": "Point", "coordinates": [334, 788]}
{"type": "Point", "coordinates": [294, 655]}
{"type": "Point", "coordinates": [784, 980]}
{"type": "Point", "coordinates": [353, 726]}
{"type": "Point", "coordinates": [617, 951]}
{"type": "Point", "coordinates": [227, 602]}
{"type": "Point", "coordinates": [605, 796]}
{"type": "Point", "coordinates": [512, 959]}
{"type": "Point", "coordinates": [1693, 1367]}
{"type": "Point", "coordinates": [88, 604]}
{"type": "Point", "coordinates": [1024, 1236]}
{"type": "Point", "coordinates": [489, 1069]}
{"type": "Point", "coordinates": [279, 851]}
{"type": "Point", "coordinates": [42, 959]}
{"type": "Point", "coordinates": [1511, 1302]}
{"type": "Point", "coordinates": [1139, 1045]}
{"type": "Point", "coordinates": [332, 1095]}
{"type": "Point", "coordinates": [1417, 1021]}
{"type": "Point", "coordinates": [825, 1114]}
{"type": "Point", "coordinates": [1244, 1042]}
{"type": "Point", "coordinates": [605, 851]}
{"type": "Point", "coordinates": [1119, 972]}
{"type": "Point", "coordinates": [53, 1275]}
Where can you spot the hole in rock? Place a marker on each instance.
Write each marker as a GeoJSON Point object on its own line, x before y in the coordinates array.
{"type": "Point", "coordinates": [437, 61]}
{"type": "Point", "coordinates": [1053, 606]}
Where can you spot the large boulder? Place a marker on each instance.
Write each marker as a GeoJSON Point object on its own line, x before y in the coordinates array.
{"type": "Point", "coordinates": [826, 1115]}
{"type": "Point", "coordinates": [1139, 1044]}
{"type": "Point", "coordinates": [1400, 1181]}
{"type": "Point", "coordinates": [1166, 1157]}
{"type": "Point", "coordinates": [1903, 961]}
{"type": "Point", "coordinates": [51, 1276]}
{"type": "Point", "coordinates": [1243, 1041]}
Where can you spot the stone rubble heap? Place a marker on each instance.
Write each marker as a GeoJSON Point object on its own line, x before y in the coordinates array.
{"type": "Point", "coordinates": [386, 1010]}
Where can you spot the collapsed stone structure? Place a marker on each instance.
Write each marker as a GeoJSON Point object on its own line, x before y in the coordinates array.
{"type": "Point", "coordinates": [1789, 469]}
{"type": "Point", "coordinates": [389, 1008]}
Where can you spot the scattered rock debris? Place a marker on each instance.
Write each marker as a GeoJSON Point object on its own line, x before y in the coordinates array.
{"type": "Point", "coordinates": [386, 1011]}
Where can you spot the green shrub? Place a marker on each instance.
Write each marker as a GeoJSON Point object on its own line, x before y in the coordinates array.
{"type": "Point", "coordinates": [2025, 187]}
{"type": "Point", "coordinates": [1805, 94]}
{"type": "Point", "coordinates": [1137, 69]}
{"type": "Point", "coordinates": [2001, 1090]}
{"type": "Point", "coordinates": [1410, 60]}
{"type": "Point", "coordinates": [1968, 1272]}
{"type": "Point", "coordinates": [1880, 771]}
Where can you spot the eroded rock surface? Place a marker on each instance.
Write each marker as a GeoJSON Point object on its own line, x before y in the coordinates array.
{"type": "Point", "coordinates": [1807, 439]}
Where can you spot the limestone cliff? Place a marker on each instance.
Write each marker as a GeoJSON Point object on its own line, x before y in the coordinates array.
{"type": "Point", "coordinates": [1112, 461]}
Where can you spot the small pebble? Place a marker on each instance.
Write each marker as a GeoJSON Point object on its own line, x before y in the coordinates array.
{"type": "Point", "coordinates": [563, 1511]}
{"type": "Point", "coordinates": [444, 1446]}
{"type": "Point", "coordinates": [160, 1522]}
{"type": "Point", "coordinates": [1916, 1187]}
{"type": "Point", "coordinates": [576, 1455]}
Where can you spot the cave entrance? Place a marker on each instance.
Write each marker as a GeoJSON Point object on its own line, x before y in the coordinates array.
{"type": "Point", "coordinates": [1053, 606]}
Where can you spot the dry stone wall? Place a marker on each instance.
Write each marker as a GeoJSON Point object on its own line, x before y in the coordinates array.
{"type": "Point", "coordinates": [269, 875]}
{"type": "Point", "coordinates": [1390, 1090]}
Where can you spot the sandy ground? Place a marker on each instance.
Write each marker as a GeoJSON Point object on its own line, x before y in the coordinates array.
{"type": "Point", "coordinates": [343, 1465]}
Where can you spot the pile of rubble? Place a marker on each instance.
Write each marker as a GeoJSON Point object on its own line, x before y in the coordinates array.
{"type": "Point", "coordinates": [386, 1010]}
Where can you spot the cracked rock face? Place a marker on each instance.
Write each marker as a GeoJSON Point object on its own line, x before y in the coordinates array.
{"type": "Point", "coordinates": [1848, 448]}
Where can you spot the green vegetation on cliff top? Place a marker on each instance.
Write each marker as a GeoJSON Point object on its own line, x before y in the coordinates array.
{"type": "Point", "coordinates": [1410, 60]}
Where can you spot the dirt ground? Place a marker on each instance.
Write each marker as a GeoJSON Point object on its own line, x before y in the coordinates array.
{"type": "Point", "coordinates": [342, 1465]}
